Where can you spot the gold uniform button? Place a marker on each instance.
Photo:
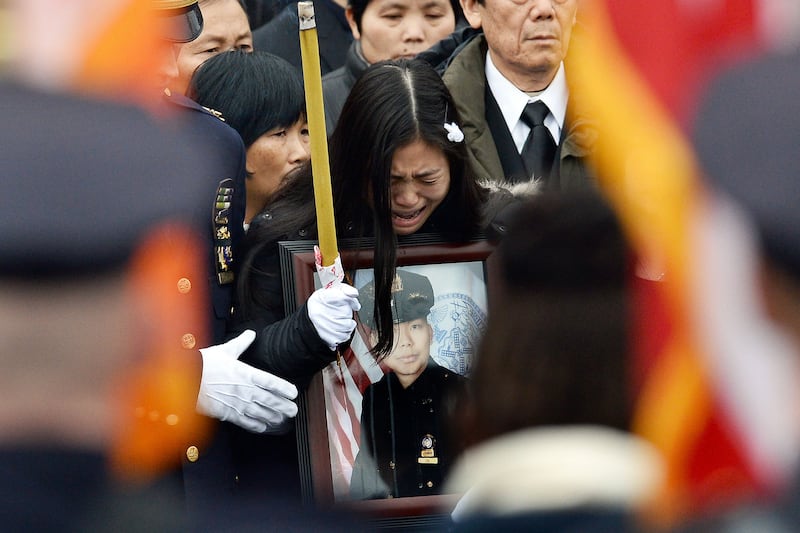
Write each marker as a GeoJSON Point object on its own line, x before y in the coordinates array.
{"type": "Point", "coordinates": [429, 484]}
{"type": "Point", "coordinates": [188, 341]}
{"type": "Point", "coordinates": [192, 453]}
{"type": "Point", "coordinates": [184, 285]}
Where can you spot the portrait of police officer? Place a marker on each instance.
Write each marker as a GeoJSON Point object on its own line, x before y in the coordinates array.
{"type": "Point", "coordinates": [405, 447]}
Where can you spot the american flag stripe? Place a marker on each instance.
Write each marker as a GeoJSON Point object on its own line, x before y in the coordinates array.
{"type": "Point", "coordinates": [344, 386]}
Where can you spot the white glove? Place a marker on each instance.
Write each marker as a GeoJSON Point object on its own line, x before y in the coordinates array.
{"type": "Point", "coordinates": [233, 391]}
{"type": "Point", "coordinates": [331, 311]}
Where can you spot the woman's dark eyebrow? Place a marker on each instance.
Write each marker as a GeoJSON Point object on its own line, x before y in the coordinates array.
{"type": "Point", "coordinates": [422, 174]}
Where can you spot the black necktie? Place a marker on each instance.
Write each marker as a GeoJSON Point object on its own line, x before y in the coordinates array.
{"type": "Point", "coordinates": [539, 149]}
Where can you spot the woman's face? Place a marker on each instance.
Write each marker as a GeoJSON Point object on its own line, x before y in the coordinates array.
{"type": "Point", "coordinates": [271, 158]}
{"type": "Point", "coordinates": [420, 180]}
{"type": "Point", "coordinates": [391, 29]}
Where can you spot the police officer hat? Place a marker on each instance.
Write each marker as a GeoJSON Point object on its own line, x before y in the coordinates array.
{"type": "Point", "coordinates": [186, 19]}
{"type": "Point", "coordinates": [90, 180]}
{"type": "Point", "coordinates": [746, 138]}
{"type": "Point", "coordinates": [412, 298]}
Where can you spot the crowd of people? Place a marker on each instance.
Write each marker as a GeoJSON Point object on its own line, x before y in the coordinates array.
{"type": "Point", "coordinates": [142, 253]}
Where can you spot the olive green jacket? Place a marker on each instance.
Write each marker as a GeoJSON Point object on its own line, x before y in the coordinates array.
{"type": "Point", "coordinates": [466, 79]}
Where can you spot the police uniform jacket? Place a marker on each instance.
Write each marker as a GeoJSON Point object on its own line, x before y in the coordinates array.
{"type": "Point", "coordinates": [405, 446]}
{"type": "Point", "coordinates": [223, 216]}
{"type": "Point", "coordinates": [209, 473]}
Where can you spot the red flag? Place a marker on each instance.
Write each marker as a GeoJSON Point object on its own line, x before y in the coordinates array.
{"type": "Point", "coordinates": [642, 66]}
{"type": "Point", "coordinates": [676, 45]}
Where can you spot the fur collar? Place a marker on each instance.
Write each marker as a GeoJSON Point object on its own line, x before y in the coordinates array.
{"type": "Point", "coordinates": [555, 468]}
{"type": "Point", "coordinates": [519, 190]}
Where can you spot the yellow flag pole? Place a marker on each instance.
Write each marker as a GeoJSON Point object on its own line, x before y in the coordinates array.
{"type": "Point", "coordinates": [312, 79]}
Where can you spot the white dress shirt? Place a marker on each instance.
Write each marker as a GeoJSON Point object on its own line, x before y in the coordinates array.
{"type": "Point", "coordinates": [512, 102]}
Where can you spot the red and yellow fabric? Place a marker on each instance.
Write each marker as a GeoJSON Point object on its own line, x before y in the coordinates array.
{"type": "Point", "coordinates": [642, 66]}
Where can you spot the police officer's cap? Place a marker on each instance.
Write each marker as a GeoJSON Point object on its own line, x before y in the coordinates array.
{"type": "Point", "coordinates": [90, 181]}
{"type": "Point", "coordinates": [186, 20]}
{"type": "Point", "coordinates": [746, 136]}
{"type": "Point", "coordinates": [412, 298]}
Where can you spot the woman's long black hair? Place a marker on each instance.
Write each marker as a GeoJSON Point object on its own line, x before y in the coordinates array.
{"type": "Point", "coordinates": [393, 104]}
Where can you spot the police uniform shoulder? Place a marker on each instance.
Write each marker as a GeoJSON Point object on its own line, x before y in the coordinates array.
{"type": "Point", "coordinates": [751, 154]}
{"type": "Point", "coordinates": [444, 374]}
{"type": "Point", "coordinates": [187, 103]}
{"type": "Point", "coordinates": [101, 181]}
{"type": "Point", "coordinates": [435, 369]}
{"type": "Point", "coordinates": [377, 390]}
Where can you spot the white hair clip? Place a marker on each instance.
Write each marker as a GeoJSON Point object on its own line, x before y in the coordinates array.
{"type": "Point", "coordinates": [454, 133]}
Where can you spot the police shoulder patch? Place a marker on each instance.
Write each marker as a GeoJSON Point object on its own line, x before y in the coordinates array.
{"type": "Point", "coordinates": [215, 113]}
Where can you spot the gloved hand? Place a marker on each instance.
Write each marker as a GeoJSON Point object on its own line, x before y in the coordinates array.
{"type": "Point", "coordinates": [233, 391]}
{"type": "Point", "coordinates": [331, 311]}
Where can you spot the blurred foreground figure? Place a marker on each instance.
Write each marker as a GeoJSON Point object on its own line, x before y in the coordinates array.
{"type": "Point", "coordinates": [548, 416]}
{"type": "Point", "coordinates": [101, 358]}
{"type": "Point", "coordinates": [746, 139]}
{"type": "Point", "coordinates": [98, 396]}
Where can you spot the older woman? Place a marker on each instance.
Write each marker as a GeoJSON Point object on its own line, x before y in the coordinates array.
{"type": "Point", "coordinates": [260, 96]}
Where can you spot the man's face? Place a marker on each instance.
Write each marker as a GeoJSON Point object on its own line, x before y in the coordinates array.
{"type": "Point", "coordinates": [391, 29]}
{"type": "Point", "coordinates": [225, 28]}
{"type": "Point", "coordinates": [527, 39]}
{"type": "Point", "coordinates": [411, 350]}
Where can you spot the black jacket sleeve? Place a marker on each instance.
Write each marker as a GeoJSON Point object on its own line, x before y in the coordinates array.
{"type": "Point", "coordinates": [290, 348]}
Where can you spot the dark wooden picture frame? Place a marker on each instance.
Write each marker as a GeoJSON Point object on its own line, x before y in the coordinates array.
{"type": "Point", "coordinates": [298, 270]}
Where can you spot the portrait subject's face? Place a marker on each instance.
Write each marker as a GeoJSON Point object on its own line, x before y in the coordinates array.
{"type": "Point", "coordinates": [225, 28]}
{"type": "Point", "coordinates": [420, 179]}
{"type": "Point", "coordinates": [527, 39]}
{"type": "Point", "coordinates": [411, 350]}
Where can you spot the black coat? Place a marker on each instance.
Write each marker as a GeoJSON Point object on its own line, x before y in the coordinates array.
{"type": "Point", "coordinates": [281, 35]}
{"type": "Point", "coordinates": [406, 446]}
{"type": "Point", "coordinates": [589, 520]}
{"type": "Point", "coordinates": [61, 490]}
{"type": "Point", "coordinates": [337, 84]}
{"type": "Point", "coordinates": [267, 466]}
{"type": "Point", "coordinates": [287, 345]}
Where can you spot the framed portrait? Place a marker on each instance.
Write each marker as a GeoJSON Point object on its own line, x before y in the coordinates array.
{"type": "Point", "coordinates": [439, 302]}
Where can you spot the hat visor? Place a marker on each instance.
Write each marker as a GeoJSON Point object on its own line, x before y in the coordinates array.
{"type": "Point", "coordinates": [184, 24]}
